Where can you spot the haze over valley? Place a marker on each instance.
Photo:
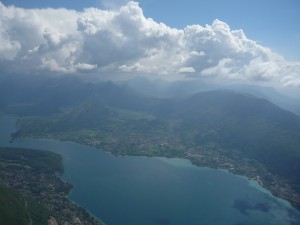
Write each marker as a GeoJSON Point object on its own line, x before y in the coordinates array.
{"type": "Point", "coordinates": [109, 78]}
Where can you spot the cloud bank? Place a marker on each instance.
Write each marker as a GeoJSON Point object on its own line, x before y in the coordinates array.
{"type": "Point", "coordinates": [122, 41]}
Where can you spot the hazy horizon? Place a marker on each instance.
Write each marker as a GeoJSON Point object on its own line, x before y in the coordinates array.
{"type": "Point", "coordinates": [114, 40]}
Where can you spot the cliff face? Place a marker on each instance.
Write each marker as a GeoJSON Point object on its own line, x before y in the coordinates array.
{"type": "Point", "coordinates": [52, 221]}
{"type": "Point", "coordinates": [76, 221]}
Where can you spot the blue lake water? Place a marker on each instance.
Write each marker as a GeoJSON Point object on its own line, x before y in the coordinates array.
{"type": "Point", "coordinates": [158, 191]}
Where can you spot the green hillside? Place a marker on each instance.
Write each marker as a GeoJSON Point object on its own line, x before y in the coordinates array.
{"type": "Point", "coordinates": [19, 210]}
{"type": "Point", "coordinates": [232, 126]}
{"type": "Point", "coordinates": [31, 158]}
{"type": "Point", "coordinates": [31, 191]}
{"type": "Point", "coordinates": [257, 128]}
{"type": "Point", "coordinates": [12, 204]}
{"type": "Point", "coordinates": [16, 207]}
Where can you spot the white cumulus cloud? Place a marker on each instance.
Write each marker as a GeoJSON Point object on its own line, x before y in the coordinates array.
{"type": "Point", "coordinates": [122, 40]}
{"type": "Point", "coordinates": [186, 70]}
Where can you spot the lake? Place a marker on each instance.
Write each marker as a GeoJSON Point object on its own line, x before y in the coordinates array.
{"type": "Point", "coordinates": [158, 191]}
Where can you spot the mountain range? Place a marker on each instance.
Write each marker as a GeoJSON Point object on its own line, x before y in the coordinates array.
{"type": "Point", "coordinates": [123, 119]}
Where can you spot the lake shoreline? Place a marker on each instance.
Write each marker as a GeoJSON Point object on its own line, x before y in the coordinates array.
{"type": "Point", "coordinates": [274, 184]}
{"type": "Point", "coordinates": [44, 186]}
{"type": "Point", "coordinates": [191, 158]}
{"type": "Point", "coordinates": [265, 179]}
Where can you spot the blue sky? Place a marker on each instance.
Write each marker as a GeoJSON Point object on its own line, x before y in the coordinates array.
{"type": "Point", "coordinates": [272, 23]}
{"type": "Point", "coordinates": [234, 40]}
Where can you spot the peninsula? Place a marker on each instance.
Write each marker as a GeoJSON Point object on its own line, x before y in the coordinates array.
{"type": "Point", "coordinates": [30, 179]}
{"type": "Point", "coordinates": [226, 129]}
